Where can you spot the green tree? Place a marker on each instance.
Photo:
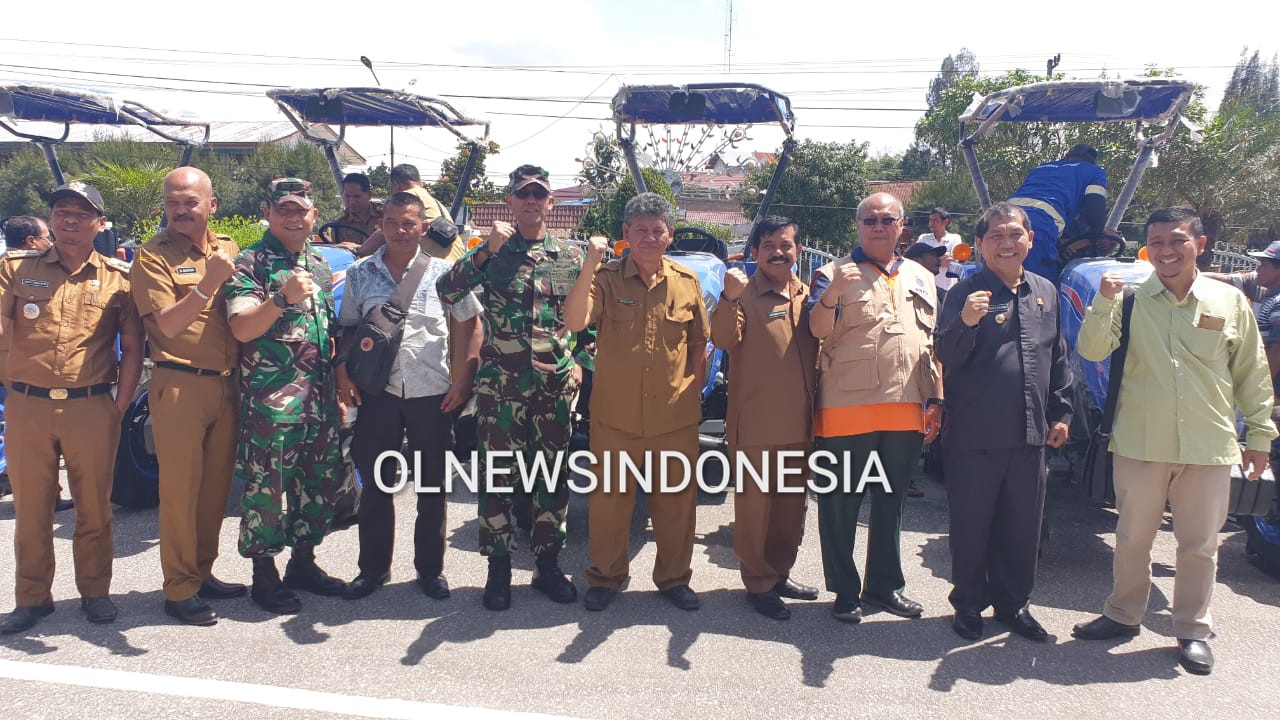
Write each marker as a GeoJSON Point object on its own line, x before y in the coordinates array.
{"type": "Point", "coordinates": [481, 188]}
{"type": "Point", "coordinates": [380, 180]}
{"type": "Point", "coordinates": [244, 189]}
{"type": "Point", "coordinates": [820, 190]}
{"type": "Point", "coordinates": [130, 192]}
{"type": "Point", "coordinates": [955, 193]}
{"type": "Point", "coordinates": [961, 66]}
{"type": "Point", "coordinates": [1254, 82]}
{"type": "Point", "coordinates": [604, 217]}
{"type": "Point", "coordinates": [25, 182]}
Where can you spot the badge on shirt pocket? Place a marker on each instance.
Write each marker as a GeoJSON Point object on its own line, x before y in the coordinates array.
{"type": "Point", "coordinates": [1209, 321]}
{"type": "Point", "coordinates": [776, 314]}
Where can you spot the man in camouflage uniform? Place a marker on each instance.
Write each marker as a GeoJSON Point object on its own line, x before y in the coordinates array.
{"type": "Point", "coordinates": [280, 305]}
{"type": "Point", "coordinates": [527, 377]}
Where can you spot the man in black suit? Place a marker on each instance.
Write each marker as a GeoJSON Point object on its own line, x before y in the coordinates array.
{"type": "Point", "coordinates": [1005, 372]}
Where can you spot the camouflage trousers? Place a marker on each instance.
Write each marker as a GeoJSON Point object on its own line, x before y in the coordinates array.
{"type": "Point", "coordinates": [538, 422]}
{"type": "Point", "coordinates": [291, 473]}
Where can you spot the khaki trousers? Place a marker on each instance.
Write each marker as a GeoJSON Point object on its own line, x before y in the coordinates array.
{"type": "Point", "coordinates": [768, 527]}
{"type": "Point", "coordinates": [1198, 496]}
{"type": "Point", "coordinates": [85, 432]}
{"type": "Point", "coordinates": [609, 522]}
{"type": "Point", "coordinates": [194, 426]}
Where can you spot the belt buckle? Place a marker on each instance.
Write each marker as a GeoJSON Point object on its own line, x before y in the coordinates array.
{"type": "Point", "coordinates": [57, 393]}
{"type": "Point", "coordinates": [225, 373]}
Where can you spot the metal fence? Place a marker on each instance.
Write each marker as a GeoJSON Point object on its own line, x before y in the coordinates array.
{"type": "Point", "coordinates": [1231, 258]}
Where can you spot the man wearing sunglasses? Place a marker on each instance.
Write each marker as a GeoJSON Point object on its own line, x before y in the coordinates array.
{"type": "Point", "coordinates": [280, 308]}
{"type": "Point", "coordinates": [528, 376]}
{"type": "Point", "coordinates": [879, 392]}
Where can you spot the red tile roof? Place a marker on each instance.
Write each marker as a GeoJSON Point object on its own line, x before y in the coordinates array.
{"type": "Point", "coordinates": [904, 191]}
{"type": "Point", "coordinates": [563, 217]}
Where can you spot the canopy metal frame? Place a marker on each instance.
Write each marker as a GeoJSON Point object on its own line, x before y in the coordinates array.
{"type": "Point", "coordinates": [378, 107]}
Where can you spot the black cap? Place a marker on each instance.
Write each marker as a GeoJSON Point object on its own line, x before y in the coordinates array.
{"type": "Point", "coordinates": [82, 190]}
{"type": "Point", "coordinates": [923, 248]}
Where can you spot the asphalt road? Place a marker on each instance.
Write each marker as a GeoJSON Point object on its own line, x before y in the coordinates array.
{"type": "Point", "coordinates": [399, 654]}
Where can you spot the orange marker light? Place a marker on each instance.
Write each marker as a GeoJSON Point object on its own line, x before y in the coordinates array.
{"type": "Point", "coordinates": [619, 246]}
{"type": "Point", "coordinates": [1142, 254]}
{"type": "Point", "coordinates": [962, 252]}
{"type": "Point", "coordinates": [474, 241]}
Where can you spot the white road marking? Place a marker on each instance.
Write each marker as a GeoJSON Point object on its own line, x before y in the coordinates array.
{"type": "Point", "coordinates": [269, 695]}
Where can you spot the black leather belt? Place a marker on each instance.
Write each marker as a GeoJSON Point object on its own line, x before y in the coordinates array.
{"type": "Point", "coordinates": [193, 370]}
{"type": "Point", "coordinates": [60, 393]}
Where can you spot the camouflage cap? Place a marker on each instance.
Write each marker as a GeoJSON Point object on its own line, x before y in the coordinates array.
{"type": "Point", "coordinates": [528, 175]}
{"type": "Point", "coordinates": [82, 190]}
{"type": "Point", "coordinates": [291, 190]}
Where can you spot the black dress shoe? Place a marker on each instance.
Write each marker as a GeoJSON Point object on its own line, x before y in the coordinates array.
{"type": "Point", "coordinates": [682, 597]}
{"type": "Point", "coordinates": [1022, 623]}
{"type": "Point", "coordinates": [789, 588]}
{"type": "Point", "coordinates": [1195, 656]}
{"type": "Point", "coordinates": [192, 611]}
{"type": "Point", "coordinates": [436, 588]}
{"type": "Point", "coordinates": [63, 504]}
{"type": "Point", "coordinates": [847, 609]}
{"type": "Point", "coordinates": [25, 617]}
{"type": "Point", "coordinates": [364, 585]}
{"type": "Point", "coordinates": [895, 603]}
{"type": "Point", "coordinates": [1104, 628]}
{"type": "Point", "coordinates": [98, 609]}
{"type": "Point", "coordinates": [769, 605]}
{"type": "Point", "coordinates": [215, 589]}
{"type": "Point", "coordinates": [967, 624]}
{"type": "Point", "coordinates": [598, 598]}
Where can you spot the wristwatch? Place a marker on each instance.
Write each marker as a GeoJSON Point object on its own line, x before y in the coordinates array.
{"type": "Point", "coordinates": [934, 401]}
{"type": "Point", "coordinates": [280, 300]}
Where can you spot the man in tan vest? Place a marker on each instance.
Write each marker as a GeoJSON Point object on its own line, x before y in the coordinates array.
{"type": "Point", "coordinates": [879, 391]}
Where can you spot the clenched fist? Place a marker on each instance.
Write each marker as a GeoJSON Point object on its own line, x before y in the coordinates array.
{"type": "Point", "coordinates": [845, 276]}
{"type": "Point", "coordinates": [735, 281]}
{"type": "Point", "coordinates": [499, 235]}
{"type": "Point", "coordinates": [1111, 285]}
{"type": "Point", "coordinates": [597, 248]}
{"type": "Point", "coordinates": [975, 307]}
{"type": "Point", "coordinates": [298, 287]}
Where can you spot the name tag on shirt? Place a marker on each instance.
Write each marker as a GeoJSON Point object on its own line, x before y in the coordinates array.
{"type": "Point", "coordinates": [777, 314]}
{"type": "Point", "coordinates": [186, 270]}
{"type": "Point", "coordinates": [35, 283]}
{"type": "Point", "coordinates": [1207, 321]}
{"type": "Point", "coordinates": [624, 301]}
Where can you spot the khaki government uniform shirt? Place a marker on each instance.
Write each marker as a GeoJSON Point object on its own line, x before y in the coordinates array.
{"type": "Point", "coordinates": [63, 325]}
{"type": "Point", "coordinates": [643, 381]}
{"type": "Point", "coordinates": [1190, 364]}
{"type": "Point", "coordinates": [772, 366]}
{"type": "Point", "coordinates": [164, 272]}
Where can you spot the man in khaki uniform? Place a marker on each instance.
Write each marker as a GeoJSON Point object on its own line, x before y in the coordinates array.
{"type": "Point", "coordinates": [405, 178]}
{"type": "Point", "coordinates": [177, 283]}
{"type": "Point", "coordinates": [359, 211]}
{"type": "Point", "coordinates": [63, 310]}
{"type": "Point", "coordinates": [650, 364]}
{"type": "Point", "coordinates": [764, 324]}
{"type": "Point", "coordinates": [22, 233]}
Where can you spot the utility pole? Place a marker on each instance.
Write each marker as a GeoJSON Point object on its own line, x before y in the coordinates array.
{"type": "Point", "coordinates": [364, 60]}
{"type": "Point", "coordinates": [1051, 65]}
{"type": "Point", "coordinates": [728, 37]}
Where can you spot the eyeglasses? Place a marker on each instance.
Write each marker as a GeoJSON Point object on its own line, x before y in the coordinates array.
{"type": "Point", "coordinates": [886, 221]}
{"type": "Point", "coordinates": [538, 193]}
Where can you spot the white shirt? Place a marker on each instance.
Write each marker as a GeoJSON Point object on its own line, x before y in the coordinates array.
{"type": "Point", "coordinates": [950, 240]}
{"type": "Point", "coordinates": [421, 368]}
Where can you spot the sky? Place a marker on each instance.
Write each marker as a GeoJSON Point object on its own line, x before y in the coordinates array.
{"type": "Point", "coordinates": [543, 74]}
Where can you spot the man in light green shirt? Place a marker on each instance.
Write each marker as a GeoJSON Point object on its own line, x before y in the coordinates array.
{"type": "Point", "coordinates": [1195, 356]}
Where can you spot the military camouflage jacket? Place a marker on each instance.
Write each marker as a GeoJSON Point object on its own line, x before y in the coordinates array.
{"type": "Point", "coordinates": [523, 289]}
{"type": "Point", "coordinates": [285, 375]}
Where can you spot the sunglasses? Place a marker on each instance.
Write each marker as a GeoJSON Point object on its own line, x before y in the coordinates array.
{"type": "Point", "coordinates": [886, 221]}
{"type": "Point", "coordinates": [538, 193]}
